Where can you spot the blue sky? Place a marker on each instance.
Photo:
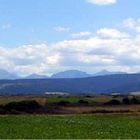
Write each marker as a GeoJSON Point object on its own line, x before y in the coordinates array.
{"type": "Point", "coordinates": [47, 36]}
{"type": "Point", "coordinates": [33, 21]}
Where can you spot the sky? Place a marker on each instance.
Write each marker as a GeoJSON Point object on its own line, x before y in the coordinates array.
{"type": "Point", "coordinates": [48, 36]}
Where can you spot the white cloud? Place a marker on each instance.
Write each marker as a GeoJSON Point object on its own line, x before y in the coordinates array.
{"type": "Point", "coordinates": [81, 34]}
{"type": "Point", "coordinates": [107, 48]}
{"type": "Point", "coordinates": [102, 2]}
{"type": "Point", "coordinates": [132, 24]}
{"type": "Point", "coordinates": [61, 29]}
{"type": "Point", "coordinates": [29, 59]}
{"type": "Point", "coordinates": [111, 33]}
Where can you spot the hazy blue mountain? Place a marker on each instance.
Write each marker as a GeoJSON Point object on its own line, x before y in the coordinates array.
{"type": "Point", "coordinates": [36, 76]}
{"type": "Point", "coordinates": [120, 83]}
{"type": "Point", "coordinates": [7, 75]}
{"type": "Point", "coordinates": [71, 74]}
{"type": "Point", "coordinates": [65, 74]}
{"type": "Point", "coordinates": [105, 72]}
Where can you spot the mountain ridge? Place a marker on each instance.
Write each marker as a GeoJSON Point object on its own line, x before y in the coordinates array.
{"type": "Point", "coordinates": [64, 74]}
{"type": "Point", "coordinates": [7, 75]}
{"type": "Point", "coordinates": [71, 74]}
{"type": "Point", "coordinates": [120, 83]}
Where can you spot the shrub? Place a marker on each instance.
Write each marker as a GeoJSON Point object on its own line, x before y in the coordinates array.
{"type": "Point", "coordinates": [82, 102]}
{"type": "Point", "coordinates": [63, 103]}
{"type": "Point", "coordinates": [22, 106]}
{"type": "Point", "coordinates": [134, 101]}
{"type": "Point", "coordinates": [15, 112]}
{"type": "Point", "coordinates": [88, 96]}
{"type": "Point", "coordinates": [2, 111]}
{"type": "Point", "coordinates": [113, 102]}
{"type": "Point", "coordinates": [126, 101]}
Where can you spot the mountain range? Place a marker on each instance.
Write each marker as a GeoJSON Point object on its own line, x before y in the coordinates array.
{"type": "Point", "coordinates": [108, 84]}
{"type": "Point", "coordinates": [105, 72]}
{"type": "Point", "coordinates": [71, 74]}
{"type": "Point", "coordinates": [7, 75]}
{"type": "Point", "coordinates": [72, 81]}
{"type": "Point", "coordinates": [65, 74]}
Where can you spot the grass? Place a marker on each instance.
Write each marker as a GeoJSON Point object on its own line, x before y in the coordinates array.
{"type": "Point", "coordinates": [69, 127]}
{"type": "Point", "coordinates": [7, 99]}
{"type": "Point", "coordinates": [71, 99]}
{"type": "Point", "coordinates": [55, 99]}
{"type": "Point", "coordinates": [40, 99]}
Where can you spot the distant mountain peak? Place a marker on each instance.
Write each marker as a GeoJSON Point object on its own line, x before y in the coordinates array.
{"type": "Point", "coordinates": [106, 72]}
{"type": "Point", "coordinates": [7, 75]}
{"type": "Point", "coordinates": [4, 75]}
{"type": "Point", "coordinates": [71, 74]}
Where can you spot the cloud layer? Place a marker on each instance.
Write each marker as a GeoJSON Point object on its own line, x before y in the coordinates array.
{"type": "Point", "coordinates": [107, 48]}
{"type": "Point", "coordinates": [102, 2]}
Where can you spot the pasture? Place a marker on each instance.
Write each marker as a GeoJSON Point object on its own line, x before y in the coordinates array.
{"type": "Point", "coordinates": [70, 127]}
{"type": "Point", "coordinates": [68, 117]}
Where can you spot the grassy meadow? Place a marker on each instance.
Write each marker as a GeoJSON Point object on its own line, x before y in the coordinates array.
{"type": "Point", "coordinates": [69, 127]}
{"type": "Point", "coordinates": [75, 120]}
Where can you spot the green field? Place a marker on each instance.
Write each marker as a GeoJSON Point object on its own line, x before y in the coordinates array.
{"type": "Point", "coordinates": [69, 127]}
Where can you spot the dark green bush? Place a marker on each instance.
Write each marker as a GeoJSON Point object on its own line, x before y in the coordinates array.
{"type": "Point", "coordinates": [88, 96]}
{"type": "Point", "coordinates": [134, 101]}
{"type": "Point", "coordinates": [82, 102]}
{"type": "Point", "coordinates": [126, 101]}
{"type": "Point", "coordinates": [113, 102]}
{"type": "Point", "coordinates": [63, 103]}
{"type": "Point", "coordinates": [22, 106]}
{"type": "Point", "coordinates": [13, 111]}
{"type": "Point", "coordinates": [2, 111]}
